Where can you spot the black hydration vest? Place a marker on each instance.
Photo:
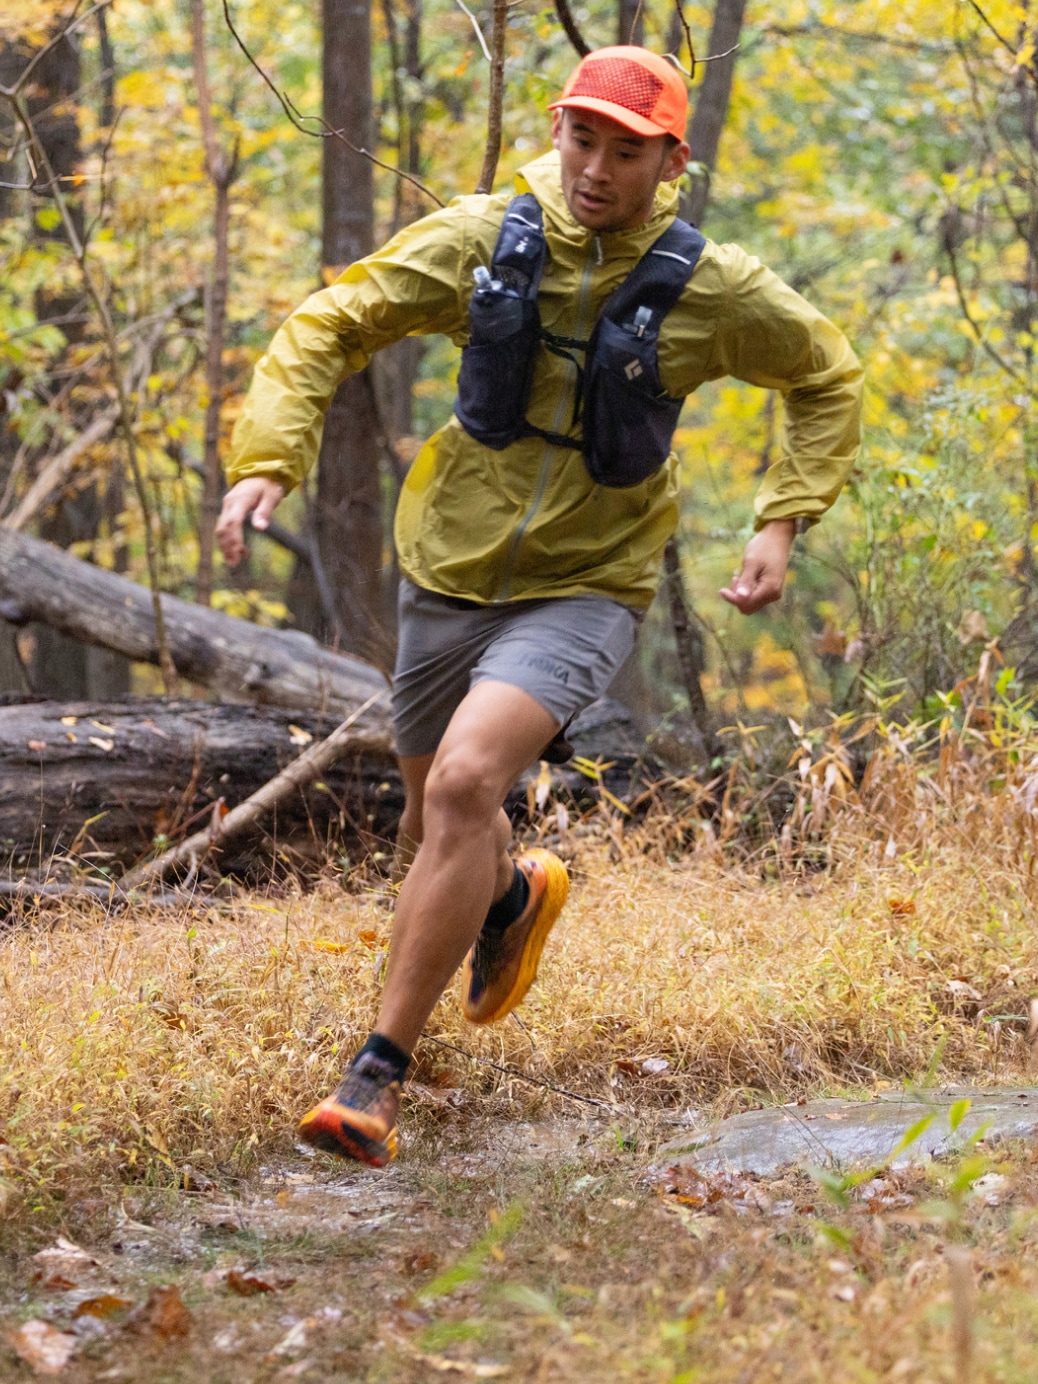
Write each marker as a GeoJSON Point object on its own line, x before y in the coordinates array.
{"type": "Point", "coordinates": [628, 418]}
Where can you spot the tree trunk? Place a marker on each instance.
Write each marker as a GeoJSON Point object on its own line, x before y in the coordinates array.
{"type": "Point", "coordinates": [704, 133]}
{"type": "Point", "coordinates": [348, 513]}
{"type": "Point", "coordinates": [239, 661]}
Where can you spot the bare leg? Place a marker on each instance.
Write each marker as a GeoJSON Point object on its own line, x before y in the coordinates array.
{"type": "Point", "coordinates": [462, 865]}
{"type": "Point", "coordinates": [414, 771]}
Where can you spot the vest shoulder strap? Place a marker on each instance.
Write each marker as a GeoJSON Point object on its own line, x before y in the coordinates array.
{"type": "Point", "coordinates": [521, 249]}
{"type": "Point", "coordinates": [658, 279]}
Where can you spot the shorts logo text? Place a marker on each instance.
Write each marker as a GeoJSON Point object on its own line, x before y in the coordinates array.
{"type": "Point", "coordinates": [556, 670]}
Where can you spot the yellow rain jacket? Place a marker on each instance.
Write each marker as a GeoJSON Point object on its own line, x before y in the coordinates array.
{"type": "Point", "coordinates": [528, 521]}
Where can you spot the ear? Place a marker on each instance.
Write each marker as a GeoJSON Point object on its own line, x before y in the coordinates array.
{"type": "Point", "coordinates": [676, 162]}
{"type": "Point", "coordinates": [556, 127]}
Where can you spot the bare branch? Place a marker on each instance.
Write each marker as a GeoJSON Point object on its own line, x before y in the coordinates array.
{"type": "Point", "coordinates": [69, 27]}
{"type": "Point", "coordinates": [326, 131]}
{"type": "Point", "coordinates": [569, 24]}
{"type": "Point", "coordinates": [497, 91]}
{"type": "Point", "coordinates": [56, 471]}
{"type": "Point", "coordinates": [973, 324]}
{"type": "Point", "coordinates": [475, 24]}
{"type": "Point", "coordinates": [1003, 41]}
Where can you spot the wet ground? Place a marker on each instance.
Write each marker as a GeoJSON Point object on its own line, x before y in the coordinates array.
{"type": "Point", "coordinates": [563, 1250]}
{"type": "Point", "coordinates": [842, 1134]}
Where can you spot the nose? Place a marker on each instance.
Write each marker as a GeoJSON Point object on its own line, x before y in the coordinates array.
{"type": "Point", "coordinates": [595, 166]}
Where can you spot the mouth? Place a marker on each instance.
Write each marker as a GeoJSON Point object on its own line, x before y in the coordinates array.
{"type": "Point", "coordinates": [590, 201]}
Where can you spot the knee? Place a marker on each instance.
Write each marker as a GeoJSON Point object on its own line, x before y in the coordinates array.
{"type": "Point", "coordinates": [461, 786]}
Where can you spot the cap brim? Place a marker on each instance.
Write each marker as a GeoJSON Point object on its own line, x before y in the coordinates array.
{"type": "Point", "coordinates": [628, 119]}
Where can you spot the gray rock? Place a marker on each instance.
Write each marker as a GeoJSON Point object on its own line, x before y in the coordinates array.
{"type": "Point", "coordinates": [845, 1134]}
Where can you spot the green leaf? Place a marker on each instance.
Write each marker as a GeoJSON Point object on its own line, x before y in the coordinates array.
{"type": "Point", "coordinates": [958, 1113]}
{"type": "Point", "coordinates": [47, 218]}
{"type": "Point", "coordinates": [912, 1133]}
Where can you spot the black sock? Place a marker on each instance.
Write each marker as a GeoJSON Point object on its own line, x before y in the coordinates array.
{"type": "Point", "coordinates": [510, 904]}
{"type": "Point", "coordinates": [387, 1051]}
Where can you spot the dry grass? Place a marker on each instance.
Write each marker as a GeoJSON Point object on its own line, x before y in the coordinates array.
{"type": "Point", "coordinates": [134, 1045]}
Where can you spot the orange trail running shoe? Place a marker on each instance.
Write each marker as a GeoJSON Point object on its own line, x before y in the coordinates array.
{"type": "Point", "coordinates": [502, 965]}
{"type": "Point", "coordinates": [359, 1119]}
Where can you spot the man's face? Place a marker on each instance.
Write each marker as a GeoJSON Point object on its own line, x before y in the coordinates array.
{"type": "Point", "coordinates": [610, 174]}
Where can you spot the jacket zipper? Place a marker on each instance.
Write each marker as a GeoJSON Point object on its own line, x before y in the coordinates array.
{"type": "Point", "coordinates": [594, 256]}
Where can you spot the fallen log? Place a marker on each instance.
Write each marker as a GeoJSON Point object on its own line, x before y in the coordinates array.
{"type": "Point", "coordinates": [104, 784]}
{"type": "Point", "coordinates": [240, 661]}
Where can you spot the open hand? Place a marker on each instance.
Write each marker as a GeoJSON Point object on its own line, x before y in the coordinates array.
{"type": "Point", "coordinates": [762, 577]}
{"type": "Point", "coordinates": [256, 495]}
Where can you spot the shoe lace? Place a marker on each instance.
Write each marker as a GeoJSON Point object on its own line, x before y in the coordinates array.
{"type": "Point", "coordinates": [364, 1082]}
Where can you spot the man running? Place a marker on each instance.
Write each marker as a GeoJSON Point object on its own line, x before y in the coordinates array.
{"type": "Point", "coordinates": [530, 528]}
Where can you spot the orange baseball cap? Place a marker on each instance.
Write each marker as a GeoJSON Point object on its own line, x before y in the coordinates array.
{"type": "Point", "coordinates": [632, 86]}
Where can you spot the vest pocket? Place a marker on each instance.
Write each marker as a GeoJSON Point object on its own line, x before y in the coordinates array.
{"type": "Point", "coordinates": [629, 421]}
{"type": "Point", "coordinates": [496, 373]}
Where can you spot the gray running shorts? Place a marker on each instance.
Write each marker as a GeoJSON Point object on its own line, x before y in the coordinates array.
{"type": "Point", "coordinates": [564, 652]}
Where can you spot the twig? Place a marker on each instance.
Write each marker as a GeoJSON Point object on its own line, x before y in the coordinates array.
{"type": "Point", "coordinates": [222, 171]}
{"type": "Point", "coordinates": [326, 131]}
{"type": "Point", "coordinates": [569, 24]}
{"type": "Point", "coordinates": [492, 152]}
{"type": "Point", "coordinates": [679, 7]}
{"type": "Point", "coordinates": [475, 24]}
{"type": "Point", "coordinates": [974, 325]}
{"type": "Point", "coordinates": [69, 27]}
{"type": "Point", "coordinates": [310, 764]}
{"type": "Point", "coordinates": [522, 1076]}
{"type": "Point", "coordinates": [1003, 41]}
{"type": "Point", "coordinates": [57, 469]}
{"type": "Point", "coordinates": [113, 894]}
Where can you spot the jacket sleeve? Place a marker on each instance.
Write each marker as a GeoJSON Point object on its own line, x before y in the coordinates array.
{"type": "Point", "coordinates": [767, 335]}
{"type": "Point", "coordinates": [411, 287]}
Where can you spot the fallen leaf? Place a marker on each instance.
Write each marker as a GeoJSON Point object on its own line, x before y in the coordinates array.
{"type": "Point", "coordinates": [105, 745]}
{"type": "Point", "coordinates": [42, 1347]}
{"type": "Point", "coordinates": [369, 937]}
{"type": "Point", "coordinates": [901, 908]}
{"type": "Point", "coordinates": [164, 1314]}
{"type": "Point", "coordinates": [64, 1255]}
{"type": "Point", "coordinates": [103, 1306]}
{"type": "Point", "coordinates": [58, 1283]}
{"type": "Point", "coordinates": [473, 1369]}
{"type": "Point", "coordinates": [37, 744]}
{"type": "Point", "coordinates": [298, 736]}
{"type": "Point", "coordinates": [247, 1284]}
{"type": "Point", "coordinates": [322, 944]}
{"type": "Point", "coordinates": [110, 730]}
{"type": "Point", "coordinates": [69, 720]}
{"type": "Point", "coordinates": [294, 1341]}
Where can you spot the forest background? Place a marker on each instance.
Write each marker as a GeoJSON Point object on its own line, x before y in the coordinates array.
{"type": "Point", "coordinates": [882, 158]}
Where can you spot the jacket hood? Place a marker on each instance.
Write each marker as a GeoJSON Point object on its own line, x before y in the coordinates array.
{"type": "Point", "coordinates": [543, 178]}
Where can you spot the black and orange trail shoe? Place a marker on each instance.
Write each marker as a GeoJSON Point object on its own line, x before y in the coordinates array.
{"type": "Point", "coordinates": [358, 1120]}
{"type": "Point", "coordinates": [502, 964]}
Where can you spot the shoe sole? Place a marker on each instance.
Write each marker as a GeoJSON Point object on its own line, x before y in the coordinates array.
{"type": "Point", "coordinates": [555, 894]}
{"type": "Point", "coordinates": [328, 1127]}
